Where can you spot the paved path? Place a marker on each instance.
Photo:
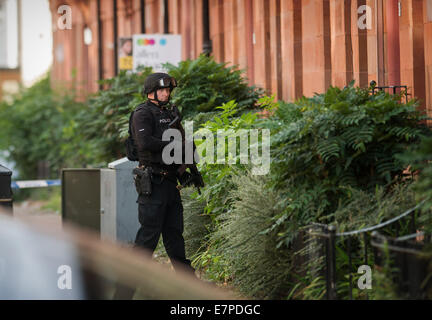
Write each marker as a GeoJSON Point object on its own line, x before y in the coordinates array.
{"type": "Point", "coordinates": [32, 211]}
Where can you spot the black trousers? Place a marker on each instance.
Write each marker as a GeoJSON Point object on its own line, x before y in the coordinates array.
{"type": "Point", "coordinates": [162, 213]}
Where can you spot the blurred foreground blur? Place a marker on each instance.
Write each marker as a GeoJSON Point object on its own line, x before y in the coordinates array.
{"type": "Point", "coordinates": [41, 259]}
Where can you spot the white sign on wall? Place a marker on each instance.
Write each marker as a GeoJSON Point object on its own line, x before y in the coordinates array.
{"type": "Point", "coordinates": [152, 50]}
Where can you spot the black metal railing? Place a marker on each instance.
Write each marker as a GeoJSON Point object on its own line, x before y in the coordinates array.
{"type": "Point", "coordinates": [370, 236]}
{"type": "Point", "coordinates": [402, 90]}
{"type": "Point", "coordinates": [372, 240]}
{"type": "Point", "coordinates": [410, 258]}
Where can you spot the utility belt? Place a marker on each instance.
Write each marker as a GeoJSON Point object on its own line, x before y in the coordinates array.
{"type": "Point", "coordinates": [144, 175]}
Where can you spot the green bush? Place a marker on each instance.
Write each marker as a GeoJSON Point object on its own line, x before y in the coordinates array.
{"type": "Point", "coordinates": [218, 176]}
{"type": "Point", "coordinates": [216, 196]}
{"type": "Point", "coordinates": [258, 269]}
{"type": "Point", "coordinates": [98, 131]}
{"type": "Point", "coordinates": [96, 135]}
{"type": "Point", "coordinates": [196, 223]}
{"type": "Point", "coordinates": [419, 158]}
{"type": "Point", "coordinates": [343, 138]}
{"type": "Point", "coordinates": [334, 160]}
{"type": "Point", "coordinates": [362, 209]}
{"type": "Point", "coordinates": [204, 84]}
{"type": "Point", "coordinates": [31, 127]}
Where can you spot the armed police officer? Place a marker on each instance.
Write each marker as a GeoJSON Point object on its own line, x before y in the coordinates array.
{"type": "Point", "coordinates": [160, 209]}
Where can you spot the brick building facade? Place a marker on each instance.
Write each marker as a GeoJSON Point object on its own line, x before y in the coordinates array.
{"type": "Point", "coordinates": [289, 47]}
{"type": "Point", "coordinates": [9, 81]}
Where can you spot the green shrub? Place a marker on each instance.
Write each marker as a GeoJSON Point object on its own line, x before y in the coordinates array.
{"type": "Point", "coordinates": [204, 84]}
{"type": "Point", "coordinates": [212, 265]}
{"type": "Point", "coordinates": [258, 269]}
{"type": "Point", "coordinates": [343, 138]}
{"type": "Point", "coordinates": [196, 223]}
{"type": "Point", "coordinates": [99, 130]}
{"type": "Point", "coordinates": [31, 127]}
{"type": "Point", "coordinates": [218, 176]}
{"type": "Point", "coordinates": [362, 209]}
{"type": "Point", "coordinates": [419, 158]}
{"type": "Point", "coordinates": [216, 196]}
{"type": "Point", "coordinates": [96, 135]}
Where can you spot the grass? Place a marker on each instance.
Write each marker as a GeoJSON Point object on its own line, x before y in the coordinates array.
{"type": "Point", "coordinates": [54, 200]}
{"type": "Point", "coordinates": [50, 196]}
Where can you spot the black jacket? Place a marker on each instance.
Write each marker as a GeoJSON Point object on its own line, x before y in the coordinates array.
{"type": "Point", "coordinates": [148, 124]}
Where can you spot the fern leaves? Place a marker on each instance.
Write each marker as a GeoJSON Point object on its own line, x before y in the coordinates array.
{"type": "Point", "coordinates": [343, 138]}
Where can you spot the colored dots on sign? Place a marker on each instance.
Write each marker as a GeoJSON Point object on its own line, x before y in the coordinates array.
{"type": "Point", "coordinates": [150, 42]}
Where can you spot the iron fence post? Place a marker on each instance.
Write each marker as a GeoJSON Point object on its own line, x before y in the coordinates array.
{"type": "Point", "coordinates": [365, 239]}
{"type": "Point", "coordinates": [412, 223]}
{"type": "Point", "coordinates": [350, 266]}
{"type": "Point", "coordinates": [331, 263]}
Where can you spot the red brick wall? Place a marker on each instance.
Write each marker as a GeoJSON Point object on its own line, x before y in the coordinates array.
{"type": "Point", "coordinates": [79, 65]}
{"type": "Point", "coordinates": [427, 10]}
{"type": "Point", "coordinates": [289, 47]}
{"type": "Point", "coordinates": [8, 75]}
{"type": "Point", "coordinates": [412, 59]}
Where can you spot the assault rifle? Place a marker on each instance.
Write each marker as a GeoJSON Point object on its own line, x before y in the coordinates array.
{"type": "Point", "coordinates": [186, 178]}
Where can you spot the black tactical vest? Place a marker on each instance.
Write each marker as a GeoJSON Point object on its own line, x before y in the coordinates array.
{"type": "Point", "coordinates": [161, 119]}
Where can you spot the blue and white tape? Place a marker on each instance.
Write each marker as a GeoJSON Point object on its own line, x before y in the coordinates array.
{"type": "Point", "coordinates": [23, 184]}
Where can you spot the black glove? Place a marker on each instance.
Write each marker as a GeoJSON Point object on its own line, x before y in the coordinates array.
{"type": "Point", "coordinates": [185, 179]}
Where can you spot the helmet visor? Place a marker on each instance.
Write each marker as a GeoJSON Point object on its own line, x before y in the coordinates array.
{"type": "Point", "coordinates": [167, 82]}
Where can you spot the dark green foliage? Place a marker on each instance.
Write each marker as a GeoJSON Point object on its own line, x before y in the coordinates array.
{"type": "Point", "coordinates": [419, 158]}
{"type": "Point", "coordinates": [104, 123]}
{"type": "Point", "coordinates": [364, 209]}
{"type": "Point", "coordinates": [257, 267]}
{"type": "Point", "coordinates": [361, 209]}
{"type": "Point", "coordinates": [31, 128]}
{"type": "Point", "coordinates": [336, 158]}
{"type": "Point", "coordinates": [218, 198]}
{"type": "Point", "coordinates": [200, 118]}
{"type": "Point", "coordinates": [196, 223]}
{"type": "Point", "coordinates": [48, 126]}
{"type": "Point", "coordinates": [333, 161]}
{"type": "Point", "coordinates": [343, 138]}
{"type": "Point", "coordinates": [100, 130]}
{"type": "Point", "coordinates": [218, 176]}
{"type": "Point", "coordinates": [204, 84]}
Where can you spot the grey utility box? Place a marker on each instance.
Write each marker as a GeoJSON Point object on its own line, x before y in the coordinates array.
{"type": "Point", "coordinates": [5, 189]}
{"type": "Point", "coordinates": [81, 197]}
{"type": "Point", "coordinates": [119, 209]}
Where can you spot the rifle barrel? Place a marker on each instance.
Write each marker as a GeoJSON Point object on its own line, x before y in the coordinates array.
{"type": "Point", "coordinates": [174, 121]}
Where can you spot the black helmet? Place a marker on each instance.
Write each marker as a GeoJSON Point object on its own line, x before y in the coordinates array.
{"type": "Point", "coordinates": [157, 81]}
